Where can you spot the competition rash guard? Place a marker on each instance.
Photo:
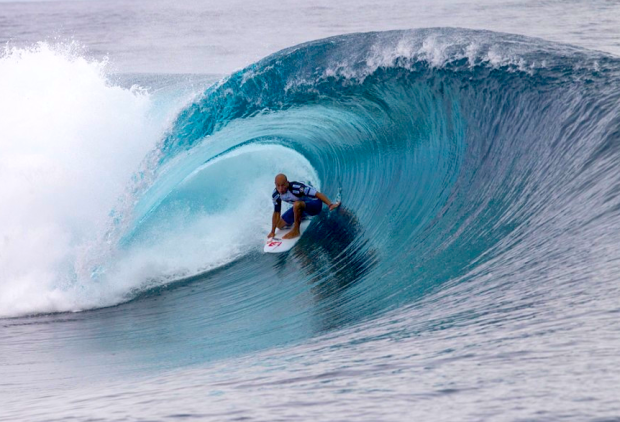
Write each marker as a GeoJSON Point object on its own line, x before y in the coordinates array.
{"type": "Point", "coordinates": [296, 192]}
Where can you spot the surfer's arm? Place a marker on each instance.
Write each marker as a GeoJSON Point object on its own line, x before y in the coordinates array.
{"type": "Point", "coordinates": [326, 201]}
{"type": "Point", "coordinates": [277, 208]}
{"type": "Point", "coordinates": [274, 222]}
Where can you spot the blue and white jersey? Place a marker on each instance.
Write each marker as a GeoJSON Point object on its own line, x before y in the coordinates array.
{"type": "Point", "coordinates": [296, 192]}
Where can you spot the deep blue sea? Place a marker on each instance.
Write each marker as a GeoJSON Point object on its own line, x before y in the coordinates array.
{"type": "Point", "coordinates": [472, 272]}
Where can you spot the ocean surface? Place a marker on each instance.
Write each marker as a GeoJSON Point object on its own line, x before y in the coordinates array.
{"type": "Point", "coordinates": [472, 272]}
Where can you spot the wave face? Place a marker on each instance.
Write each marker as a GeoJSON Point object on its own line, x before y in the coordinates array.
{"type": "Point", "coordinates": [453, 149]}
{"type": "Point", "coordinates": [460, 156]}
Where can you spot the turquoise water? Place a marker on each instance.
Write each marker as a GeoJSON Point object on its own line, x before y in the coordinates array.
{"type": "Point", "coordinates": [470, 274]}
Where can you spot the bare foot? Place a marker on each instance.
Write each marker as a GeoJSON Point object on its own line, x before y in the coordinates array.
{"type": "Point", "coordinates": [291, 235]}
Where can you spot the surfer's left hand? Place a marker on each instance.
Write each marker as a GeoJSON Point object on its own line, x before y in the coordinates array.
{"type": "Point", "coordinates": [334, 206]}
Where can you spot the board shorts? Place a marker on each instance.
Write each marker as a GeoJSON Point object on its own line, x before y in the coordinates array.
{"type": "Point", "coordinates": [313, 207]}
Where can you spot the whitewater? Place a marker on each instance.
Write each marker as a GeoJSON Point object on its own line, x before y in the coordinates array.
{"type": "Point", "coordinates": [471, 272]}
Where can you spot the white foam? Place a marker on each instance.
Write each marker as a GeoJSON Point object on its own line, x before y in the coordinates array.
{"type": "Point", "coordinates": [69, 143]}
{"type": "Point", "coordinates": [436, 50]}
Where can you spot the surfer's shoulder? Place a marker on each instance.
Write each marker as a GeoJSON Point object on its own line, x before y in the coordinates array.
{"type": "Point", "coordinates": [296, 186]}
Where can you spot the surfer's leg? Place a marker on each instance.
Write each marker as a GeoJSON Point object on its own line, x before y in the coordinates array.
{"type": "Point", "coordinates": [287, 219]}
{"type": "Point", "coordinates": [282, 223]}
{"type": "Point", "coordinates": [313, 207]}
{"type": "Point", "coordinates": [298, 210]}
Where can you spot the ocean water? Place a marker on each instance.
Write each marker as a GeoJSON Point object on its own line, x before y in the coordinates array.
{"type": "Point", "coordinates": [471, 273]}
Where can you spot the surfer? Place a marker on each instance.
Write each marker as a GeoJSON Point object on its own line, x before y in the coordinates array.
{"type": "Point", "coordinates": [306, 200]}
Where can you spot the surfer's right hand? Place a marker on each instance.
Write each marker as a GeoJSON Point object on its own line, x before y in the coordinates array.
{"type": "Point", "coordinates": [334, 206]}
{"type": "Point", "coordinates": [270, 235]}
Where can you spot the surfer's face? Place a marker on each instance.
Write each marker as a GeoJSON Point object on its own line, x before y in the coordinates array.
{"type": "Point", "coordinates": [282, 187]}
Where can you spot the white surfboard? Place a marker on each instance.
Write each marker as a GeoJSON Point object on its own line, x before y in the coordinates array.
{"type": "Point", "coordinates": [277, 245]}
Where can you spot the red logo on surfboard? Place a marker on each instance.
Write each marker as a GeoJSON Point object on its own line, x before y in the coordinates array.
{"type": "Point", "coordinates": [273, 243]}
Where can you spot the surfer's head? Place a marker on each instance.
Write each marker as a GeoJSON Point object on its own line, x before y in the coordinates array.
{"type": "Point", "coordinates": [281, 183]}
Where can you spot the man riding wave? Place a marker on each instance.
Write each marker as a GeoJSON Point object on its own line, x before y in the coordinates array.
{"type": "Point", "coordinates": [306, 200]}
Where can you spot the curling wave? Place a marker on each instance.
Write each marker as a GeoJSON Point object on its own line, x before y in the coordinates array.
{"type": "Point", "coordinates": [458, 155]}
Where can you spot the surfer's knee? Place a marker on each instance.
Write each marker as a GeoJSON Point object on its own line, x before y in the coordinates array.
{"type": "Point", "coordinates": [299, 205]}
